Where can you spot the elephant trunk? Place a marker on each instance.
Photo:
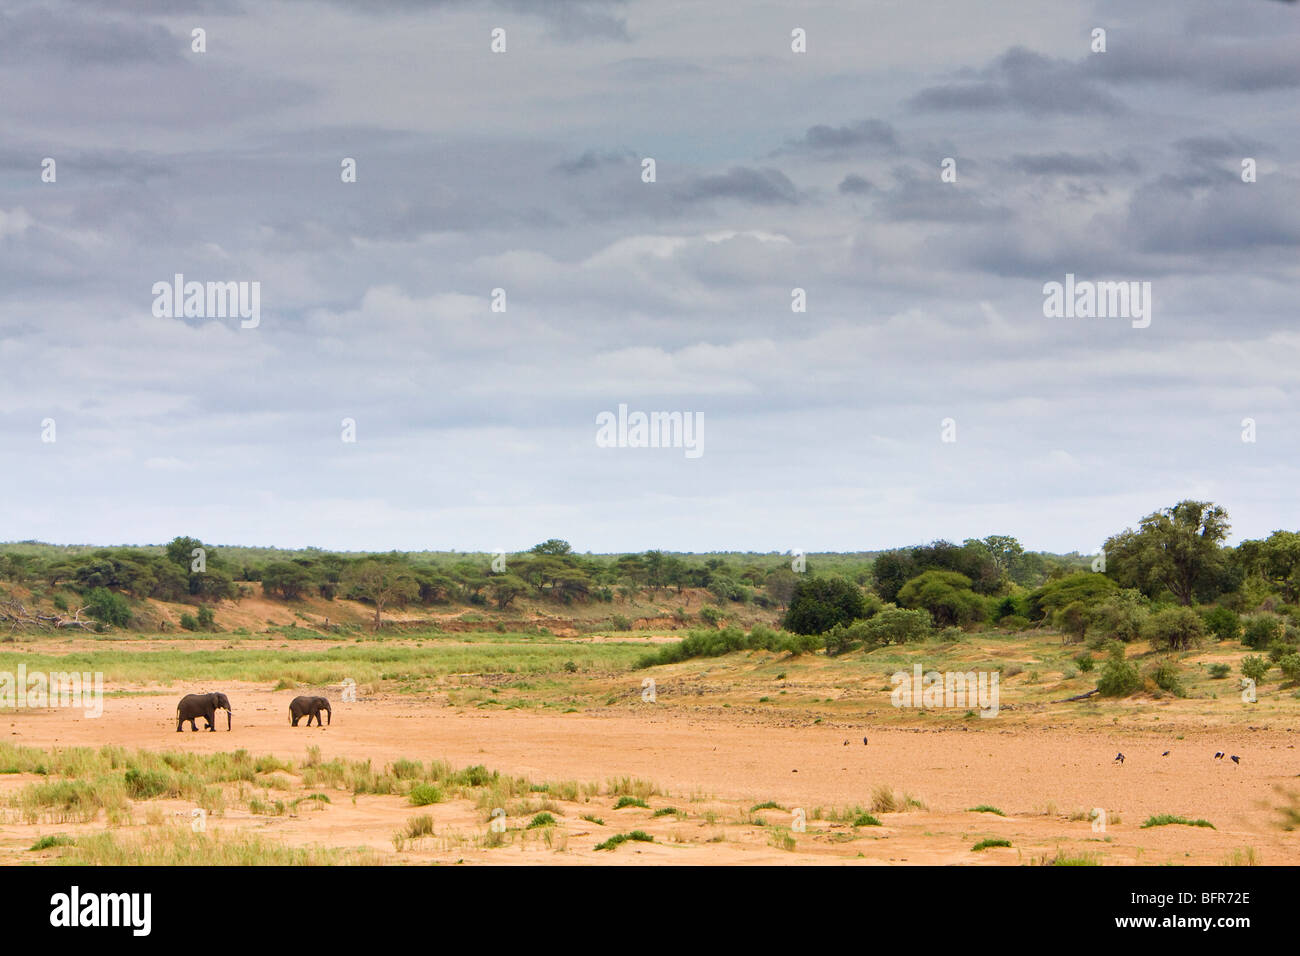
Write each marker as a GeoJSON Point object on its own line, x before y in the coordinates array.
{"type": "Point", "coordinates": [228, 718]}
{"type": "Point", "coordinates": [329, 715]}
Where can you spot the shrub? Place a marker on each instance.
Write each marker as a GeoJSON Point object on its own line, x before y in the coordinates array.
{"type": "Point", "coordinates": [711, 616]}
{"type": "Point", "coordinates": [620, 623]}
{"type": "Point", "coordinates": [1085, 662]}
{"type": "Point", "coordinates": [1165, 676]}
{"type": "Point", "coordinates": [423, 794]}
{"type": "Point", "coordinates": [1261, 630]}
{"type": "Point", "coordinates": [896, 625]}
{"type": "Point", "coordinates": [1219, 671]}
{"type": "Point", "coordinates": [1255, 668]}
{"type": "Point", "coordinates": [1119, 617]}
{"type": "Point", "coordinates": [108, 607]}
{"type": "Point", "coordinates": [189, 623]}
{"type": "Point", "coordinates": [1174, 629]}
{"type": "Point", "coordinates": [1014, 622]}
{"type": "Point", "coordinates": [1290, 667]}
{"type": "Point", "coordinates": [1118, 677]}
{"type": "Point", "coordinates": [1224, 623]}
{"type": "Point", "coordinates": [947, 595]}
{"type": "Point", "coordinates": [818, 604]}
{"type": "Point", "coordinates": [206, 617]}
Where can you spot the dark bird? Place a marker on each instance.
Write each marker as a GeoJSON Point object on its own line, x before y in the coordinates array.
{"type": "Point", "coordinates": [1219, 755]}
{"type": "Point", "coordinates": [1235, 759]}
{"type": "Point", "coordinates": [1119, 758]}
{"type": "Point", "coordinates": [1165, 754]}
{"type": "Point", "coordinates": [864, 741]}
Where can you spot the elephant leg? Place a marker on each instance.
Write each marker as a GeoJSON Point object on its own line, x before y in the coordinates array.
{"type": "Point", "coordinates": [193, 726]}
{"type": "Point", "coordinates": [179, 722]}
{"type": "Point", "coordinates": [212, 722]}
{"type": "Point", "coordinates": [296, 718]}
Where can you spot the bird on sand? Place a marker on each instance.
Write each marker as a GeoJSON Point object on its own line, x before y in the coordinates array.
{"type": "Point", "coordinates": [1165, 754]}
{"type": "Point", "coordinates": [1219, 755]}
{"type": "Point", "coordinates": [1119, 758]}
{"type": "Point", "coordinates": [1235, 759]}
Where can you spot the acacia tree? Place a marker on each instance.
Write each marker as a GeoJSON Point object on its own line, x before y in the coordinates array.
{"type": "Point", "coordinates": [383, 584]}
{"type": "Point", "coordinates": [1178, 549]}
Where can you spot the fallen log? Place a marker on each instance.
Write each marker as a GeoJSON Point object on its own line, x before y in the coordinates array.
{"type": "Point", "coordinates": [1080, 697]}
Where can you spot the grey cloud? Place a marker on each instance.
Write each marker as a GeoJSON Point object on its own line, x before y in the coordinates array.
{"type": "Point", "coordinates": [1072, 164]}
{"type": "Point", "coordinates": [762, 186]}
{"type": "Point", "coordinates": [1023, 80]}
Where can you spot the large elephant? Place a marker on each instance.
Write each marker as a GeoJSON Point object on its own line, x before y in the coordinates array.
{"type": "Point", "coordinates": [193, 706]}
{"type": "Point", "coordinates": [310, 707]}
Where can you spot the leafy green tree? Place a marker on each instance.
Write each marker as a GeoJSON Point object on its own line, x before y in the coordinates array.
{"type": "Point", "coordinates": [1118, 677]}
{"type": "Point", "coordinates": [505, 588]}
{"type": "Point", "coordinates": [1277, 560]}
{"type": "Point", "coordinates": [383, 583]}
{"type": "Point", "coordinates": [1174, 629]}
{"type": "Point", "coordinates": [1177, 549]}
{"type": "Point", "coordinates": [1255, 668]}
{"type": "Point", "coordinates": [108, 607]}
{"type": "Point", "coordinates": [947, 595]}
{"type": "Point", "coordinates": [1224, 623]}
{"type": "Point", "coordinates": [286, 579]}
{"type": "Point", "coordinates": [1120, 616]}
{"type": "Point", "coordinates": [819, 603]}
{"type": "Point", "coordinates": [1261, 630]}
{"type": "Point", "coordinates": [780, 586]}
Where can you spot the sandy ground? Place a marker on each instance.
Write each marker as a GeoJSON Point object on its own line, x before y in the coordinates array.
{"type": "Point", "coordinates": [714, 767]}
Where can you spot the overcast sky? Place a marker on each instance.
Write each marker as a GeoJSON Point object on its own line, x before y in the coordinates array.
{"type": "Point", "coordinates": [523, 171]}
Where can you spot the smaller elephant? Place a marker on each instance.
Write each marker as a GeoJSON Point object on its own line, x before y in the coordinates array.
{"type": "Point", "coordinates": [311, 707]}
{"type": "Point", "coordinates": [193, 706]}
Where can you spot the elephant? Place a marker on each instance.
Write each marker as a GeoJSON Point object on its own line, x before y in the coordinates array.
{"type": "Point", "coordinates": [193, 706]}
{"type": "Point", "coordinates": [311, 707]}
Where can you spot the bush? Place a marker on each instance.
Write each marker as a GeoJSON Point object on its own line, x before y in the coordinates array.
{"type": "Point", "coordinates": [1085, 662]}
{"type": "Point", "coordinates": [206, 618]}
{"type": "Point", "coordinates": [1014, 622]}
{"type": "Point", "coordinates": [727, 640]}
{"type": "Point", "coordinates": [1119, 617]}
{"type": "Point", "coordinates": [1118, 677]}
{"type": "Point", "coordinates": [818, 604]}
{"type": "Point", "coordinates": [1220, 671]}
{"type": "Point", "coordinates": [423, 794]}
{"type": "Point", "coordinates": [1255, 668]}
{"type": "Point", "coordinates": [1290, 666]}
{"type": "Point", "coordinates": [1261, 630]}
{"type": "Point", "coordinates": [189, 623]}
{"type": "Point", "coordinates": [947, 595]}
{"type": "Point", "coordinates": [620, 623]}
{"type": "Point", "coordinates": [1174, 629]}
{"type": "Point", "coordinates": [108, 607]}
{"type": "Point", "coordinates": [1165, 676]}
{"type": "Point", "coordinates": [1072, 620]}
{"type": "Point", "coordinates": [896, 625]}
{"type": "Point", "coordinates": [711, 616]}
{"type": "Point", "coordinates": [1224, 623]}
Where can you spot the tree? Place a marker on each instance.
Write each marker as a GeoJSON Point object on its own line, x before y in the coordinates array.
{"type": "Point", "coordinates": [1277, 560]}
{"type": "Point", "coordinates": [1004, 551]}
{"type": "Point", "coordinates": [108, 607]}
{"type": "Point", "coordinates": [506, 588]}
{"type": "Point", "coordinates": [818, 604]}
{"type": "Point", "coordinates": [1174, 629]}
{"type": "Point", "coordinates": [890, 571]}
{"type": "Point", "coordinates": [286, 579]}
{"type": "Point", "coordinates": [947, 595]}
{"type": "Point", "coordinates": [780, 586]}
{"type": "Point", "coordinates": [1177, 549]}
{"type": "Point", "coordinates": [551, 546]}
{"type": "Point", "coordinates": [382, 583]}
